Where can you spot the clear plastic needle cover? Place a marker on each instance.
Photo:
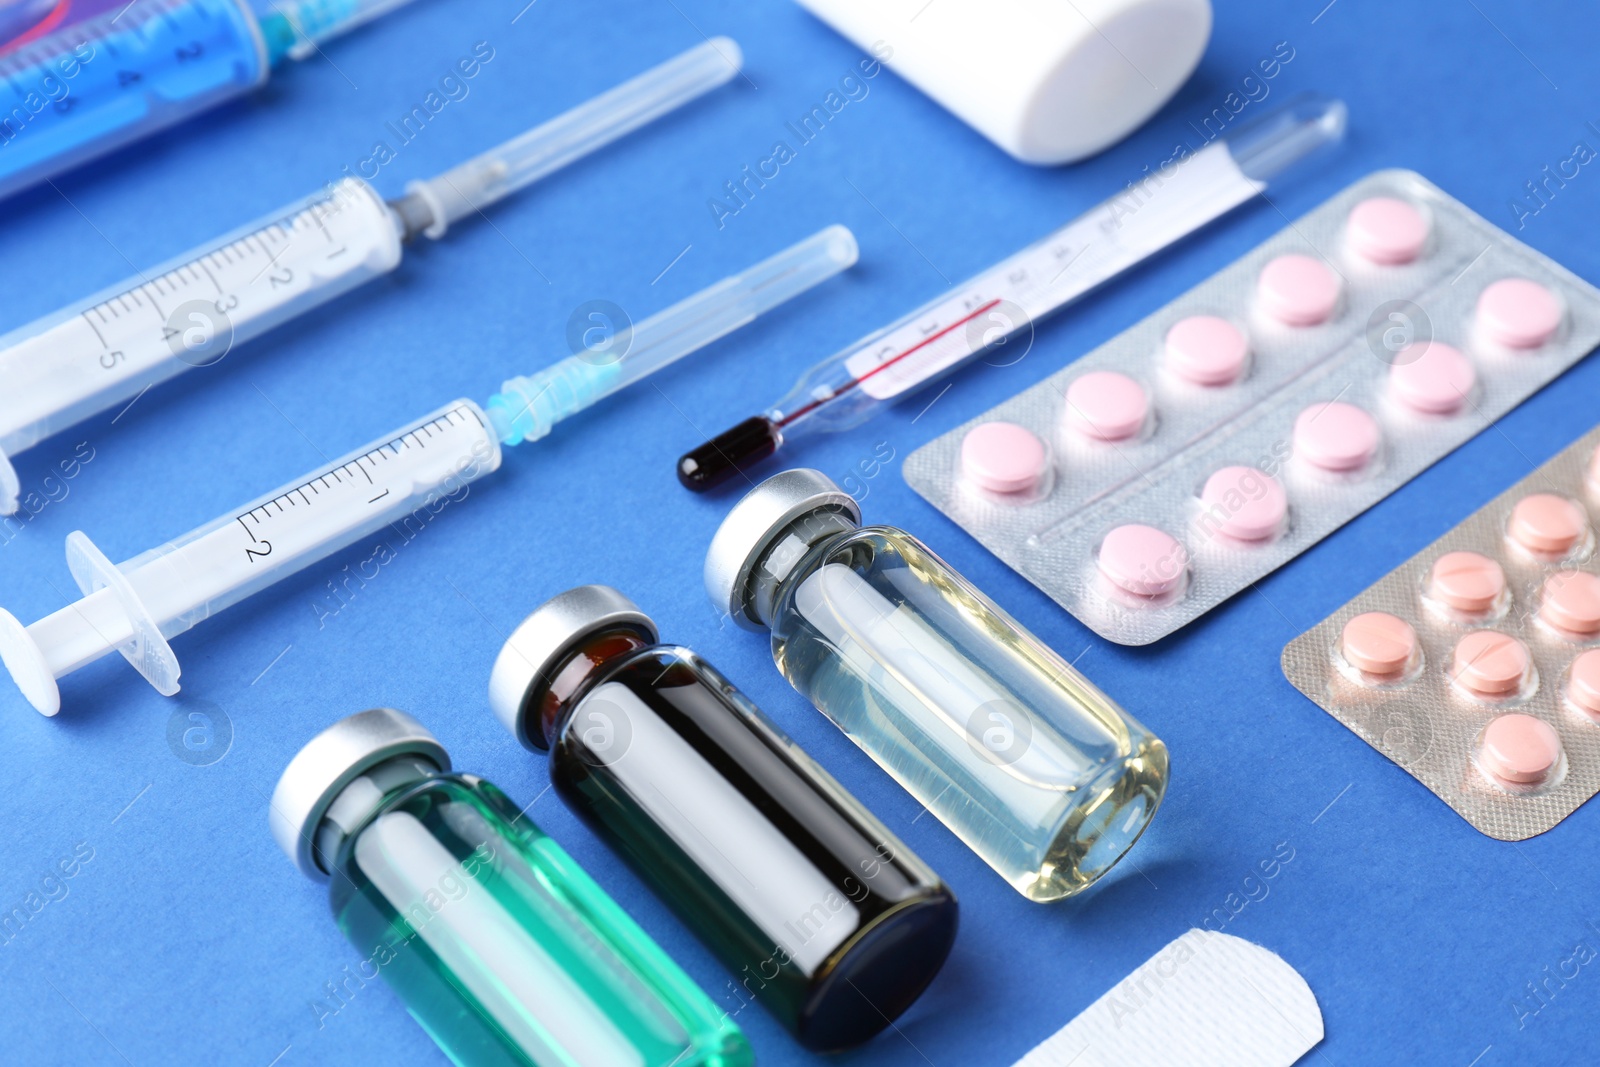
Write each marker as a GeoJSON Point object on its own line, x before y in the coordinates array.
{"type": "Point", "coordinates": [400, 481]}
{"type": "Point", "coordinates": [527, 407]}
{"type": "Point", "coordinates": [103, 352]}
{"type": "Point", "coordinates": [503, 170]}
{"type": "Point", "coordinates": [1008, 298]}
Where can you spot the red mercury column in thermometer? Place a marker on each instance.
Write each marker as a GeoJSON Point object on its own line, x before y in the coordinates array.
{"type": "Point", "coordinates": [851, 386]}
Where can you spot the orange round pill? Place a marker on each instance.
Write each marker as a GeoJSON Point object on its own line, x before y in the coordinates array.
{"type": "Point", "coordinates": [1571, 602]}
{"type": "Point", "coordinates": [1490, 664]}
{"type": "Point", "coordinates": [1583, 682]}
{"type": "Point", "coordinates": [1545, 522]}
{"type": "Point", "coordinates": [1378, 643]}
{"type": "Point", "coordinates": [1466, 581]}
{"type": "Point", "coordinates": [1519, 748]}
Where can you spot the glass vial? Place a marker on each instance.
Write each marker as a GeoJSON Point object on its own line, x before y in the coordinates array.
{"type": "Point", "coordinates": [820, 912]}
{"type": "Point", "coordinates": [499, 945]}
{"type": "Point", "coordinates": [1039, 772]}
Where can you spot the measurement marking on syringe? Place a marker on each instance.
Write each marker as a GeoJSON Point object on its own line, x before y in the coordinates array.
{"type": "Point", "coordinates": [96, 329]}
{"type": "Point", "coordinates": [272, 261]}
{"type": "Point", "coordinates": [316, 217]}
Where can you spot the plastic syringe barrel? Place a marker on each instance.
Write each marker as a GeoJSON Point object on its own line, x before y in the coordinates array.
{"type": "Point", "coordinates": [89, 78]}
{"type": "Point", "coordinates": [527, 407]}
{"type": "Point", "coordinates": [503, 170]}
{"type": "Point", "coordinates": [104, 350]}
{"type": "Point", "coordinates": [402, 479]}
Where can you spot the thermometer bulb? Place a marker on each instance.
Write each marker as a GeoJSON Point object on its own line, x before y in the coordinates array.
{"type": "Point", "coordinates": [729, 453]}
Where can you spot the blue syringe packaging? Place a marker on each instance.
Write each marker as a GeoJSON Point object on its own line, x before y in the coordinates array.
{"type": "Point", "coordinates": [1208, 486]}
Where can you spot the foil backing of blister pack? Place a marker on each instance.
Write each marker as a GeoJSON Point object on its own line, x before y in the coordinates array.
{"type": "Point", "coordinates": [1053, 538]}
{"type": "Point", "coordinates": [1427, 724]}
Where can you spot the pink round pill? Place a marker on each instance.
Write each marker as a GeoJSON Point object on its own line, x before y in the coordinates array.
{"type": "Point", "coordinates": [1387, 231]}
{"type": "Point", "coordinates": [1435, 381]}
{"type": "Point", "coordinates": [1490, 664]}
{"type": "Point", "coordinates": [1547, 523]}
{"type": "Point", "coordinates": [1519, 313]}
{"type": "Point", "coordinates": [1336, 436]}
{"type": "Point", "coordinates": [1519, 748]}
{"type": "Point", "coordinates": [1143, 560]}
{"type": "Point", "coordinates": [1466, 581]}
{"type": "Point", "coordinates": [1003, 457]}
{"type": "Point", "coordinates": [1106, 406]}
{"type": "Point", "coordinates": [1571, 602]}
{"type": "Point", "coordinates": [1378, 643]}
{"type": "Point", "coordinates": [1298, 290]}
{"type": "Point", "coordinates": [1583, 682]}
{"type": "Point", "coordinates": [1206, 350]}
{"type": "Point", "coordinates": [1244, 503]}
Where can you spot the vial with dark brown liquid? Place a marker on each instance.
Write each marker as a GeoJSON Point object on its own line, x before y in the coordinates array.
{"type": "Point", "coordinates": [817, 909]}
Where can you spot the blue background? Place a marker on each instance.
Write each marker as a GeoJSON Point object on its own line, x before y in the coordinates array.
{"type": "Point", "coordinates": [188, 938]}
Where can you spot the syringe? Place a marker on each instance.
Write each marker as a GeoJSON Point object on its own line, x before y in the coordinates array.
{"type": "Point", "coordinates": [103, 78]}
{"type": "Point", "coordinates": [189, 312]}
{"type": "Point", "coordinates": [137, 606]}
{"type": "Point", "coordinates": [1172, 202]}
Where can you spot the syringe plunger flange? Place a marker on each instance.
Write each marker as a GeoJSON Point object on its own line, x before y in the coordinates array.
{"type": "Point", "coordinates": [110, 616]}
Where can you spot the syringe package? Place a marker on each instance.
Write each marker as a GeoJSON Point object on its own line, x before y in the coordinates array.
{"type": "Point", "coordinates": [1233, 429]}
{"type": "Point", "coordinates": [1475, 665]}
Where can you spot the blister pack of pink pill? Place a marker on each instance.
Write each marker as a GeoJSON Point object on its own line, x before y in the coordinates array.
{"type": "Point", "coordinates": [1475, 665]}
{"type": "Point", "coordinates": [1225, 434]}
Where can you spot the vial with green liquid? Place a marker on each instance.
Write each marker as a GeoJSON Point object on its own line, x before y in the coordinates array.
{"type": "Point", "coordinates": [505, 951]}
{"type": "Point", "coordinates": [1036, 770]}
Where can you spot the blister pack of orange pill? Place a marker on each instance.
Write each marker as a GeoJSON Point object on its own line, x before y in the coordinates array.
{"type": "Point", "coordinates": [1476, 664]}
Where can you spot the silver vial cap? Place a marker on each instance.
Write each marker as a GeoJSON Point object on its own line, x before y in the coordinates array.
{"type": "Point", "coordinates": [754, 526]}
{"type": "Point", "coordinates": [332, 760]}
{"type": "Point", "coordinates": [544, 641]}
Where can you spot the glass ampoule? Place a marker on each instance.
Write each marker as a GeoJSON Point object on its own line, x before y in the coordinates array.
{"type": "Point", "coordinates": [1036, 770]}
{"type": "Point", "coordinates": [816, 908]}
{"type": "Point", "coordinates": [504, 950]}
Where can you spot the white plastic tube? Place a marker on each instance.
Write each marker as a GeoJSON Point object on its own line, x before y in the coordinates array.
{"type": "Point", "coordinates": [1049, 81]}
